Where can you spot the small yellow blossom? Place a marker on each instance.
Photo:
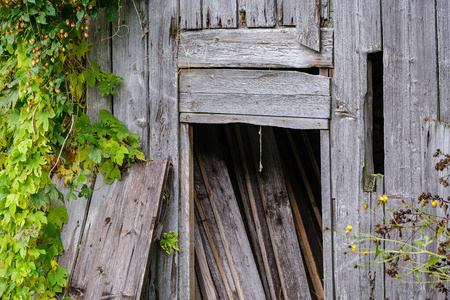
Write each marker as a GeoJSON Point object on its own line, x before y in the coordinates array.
{"type": "Point", "coordinates": [354, 247]}
{"type": "Point", "coordinates": [382, 200]}
{"type": "Point", "coordinates": [434, 203]}
{"type": "Point", "coordinates": [385, 198]}
{"type": "Point", "coordinates": [365, 253]}
{"type": "Point", "coordinates": [423, 202]}
{"type": "Point", "coordinates": [349, 228]}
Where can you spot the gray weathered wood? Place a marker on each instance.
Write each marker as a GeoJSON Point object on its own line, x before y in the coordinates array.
{"type": "Point", "coordinates": [327, 214]}
{"type": "Point", "coordinates": [219, 13]}
{"type": "Point", "coordinates": [287, 12]}
{"type": "Point", "coordinates": [371, 21]}
{"type": "Point", "coordinates": [118, 236]}
{"type": "Point", "coordinates": [229, 220]}
{"type": "Point", "coordinates": [186, 218]}
{"type": "Point", "coordinates": [308, 23]}
{"type": "Point", "coordinates": [191, 14]}
{"type": "Point", "coordinates": [279, 215]}
{"type": "Point", "coordinates": [163, 140]}
{"type": "Point", "coordinates": [443, 44]}
{"type": "Point", "coordinates": [299, 106]}
{"type": "Point", "coordinates": [294, 123]}
{"type": "Point", "coordinates": [258, 13]}
{"type": "Point", "coordinates": [256, 48]}
{"type": "Point", "coordinates": [129, 46]}
{"type": "Point", "coordinates": [100, 36]}
{"type": "Point", "coordinates": [409, 33]}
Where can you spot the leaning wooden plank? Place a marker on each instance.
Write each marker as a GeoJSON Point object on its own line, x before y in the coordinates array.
{"type": "Point", "coordinates": [258, 212]}
{"type": "Point", "coordinates": [308, 23]}
{"type": "Point", "coordinates": [252, 82]}
{"type": "Point", "coordinates": [251, 224]}
{"type": "Point", "coordinates": [304, 243]}
{"type": "Point", "coordinates": [191, 14]}
{"type": "Point", "coordinates": [294, 123]}
{"type": "Point", "coordinates": [129, 46]}
{"type": "Point", "coordinates": [311, 155]}
{"type": "Point", "coordinates": [114, 253]}
{"type": "Point", "coordinates": [287, 12]}
{"type": "Point", "coordinates": [163, 132]}
{"type": "Point", "coordinates": [219, 14]}
{"type": "Point", "coordinates": [305, 179]}
{"type": "Point", "coordinates": [443, 44]}
{"type": "Point", "coordinates": [295, 105]}
{"type": "Point", "coordinates": [257, 13]}
{"type": "Point", "coordinates": [201, 265]}
{"type": "Point", "coordinates": [229, 220]}
{"type": "Point", "coordinates": [100, 36]}
{"type": "Point", "coordinates": [210, 226]}
{"type": "Point", "coordinates": [279, 215]}
{"type": "Point", "coordinates": [256, 48]}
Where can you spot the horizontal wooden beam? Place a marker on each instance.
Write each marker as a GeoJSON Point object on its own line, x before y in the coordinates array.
{"type": "Point", "coordinates": [255, 48]}
{"type": "Point", "coordinates": [293, 123]}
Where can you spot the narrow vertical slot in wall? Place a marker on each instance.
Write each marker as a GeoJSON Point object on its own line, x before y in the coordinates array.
{"type": "Point", "coordinates": [377, 112]}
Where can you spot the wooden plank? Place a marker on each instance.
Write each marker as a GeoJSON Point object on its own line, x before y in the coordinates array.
{"type": "Point", "coordinates": [308, 23]}
{"type": "Point", "coordinates": [327, 213]}
{"type": "Point", "coordinates": [129, 46]}
{"type": "Point", "coordinates": [100, 36]}
{"type": "Point", "coordinates": [311, 155]}
{"type": "Point", "coordinates": [287, 12]}
{"type": "Point", "coordinates": [229, 221]}
{"type": "Point", "coordinates": [443, 44]}
{"type": "Point", "coordinates": [202, 270]}
{"type": "Point", "coordinates": [116, 244]}
{"type": "Point", "coordinates": [219, 14]}
{"type": "Point", "coordinates": [166, 281]}
{"type": "Point", "coordinates": [371, 23]}
{"type": "Point", "coordinates": [258, 212]}
{"type": "Point", "coordinates": [297, 106]}
{"type": "Point", "coordinates": [186, 219]}
{"type": "Point", "coordinates": [191, 14]}
{"type": "Point", "coordinates": [256, 48]}
{"type": "Point", "coordinates": [294, 123]}
{"type": "Point", "coordinates": [259, 82]}
{"type": "Point", "coordinates": [257, 13]}
{"type": "Point", "coordinates": [206, 217]}
{"type": "Point", "coordinates": [279, 216]}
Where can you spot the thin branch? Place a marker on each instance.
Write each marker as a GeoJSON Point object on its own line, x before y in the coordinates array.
{"type": "Point", "coordinates": [62, 147]}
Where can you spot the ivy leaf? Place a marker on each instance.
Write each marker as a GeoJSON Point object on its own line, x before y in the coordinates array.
{"type": "Point", "coordinates": [41, 18]}
{"type": "Point", "coordinates": [3, 286]}
{"type": "Point", "coordinates": [96, 154]}
{"type": "Point", "coordinates": [55, 216]}
{"type": "Point", "coordinates": [38, 218]}
{"type": "Point", "coordinates": [57, 278]}
{"type": "Point", "coordinates": [80, 15]}
{"type": "Point", "coordinates": [50, 10]}
{"type": "Point", "coordinates": [40, 199]}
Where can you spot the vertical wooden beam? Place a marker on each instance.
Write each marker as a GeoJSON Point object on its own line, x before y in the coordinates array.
{"type": "Point", "coordinates": [164, 136]}
{"type": "Point", "coordinates": [443, 33]}
{"type": "Point", "coordinates": [287, 12]}
{"type": "Point", "coordinates": [257, 13]}
{"type": "Point", "coordinates": [308, 23]}
{"type": "Point", "coordinates": [186, 219]}
{"type": "Point", "coordinates": [219, 13]}
{"type": "Point", "coordinates": [130, 54]}
{"type": "Point", "coordinates": [191, 14]}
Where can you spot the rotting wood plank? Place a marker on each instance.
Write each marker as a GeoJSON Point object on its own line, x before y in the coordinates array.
{"type": "Point", "coordinates": [256, 48]}
{"type": "Point", "coordinates": [259, 82]}
{"type": "Point", "coordinates": [257, 13]}
{"type": "Point", "coordinates": [308, 23]}
{"type": "Point", "coordinates": [219, 14]}
{"type": "Point", "coordinates": [229, 220]}
{"type": "Point", "coordinates": [208, 220]}
{"type": "Point", "coordinates": [295, 105]}
{"type": "Point", "coordinates": [258, 212]}
{"type": "Point", "coordinates": [279, 216]}
{"type": "Point", "coordinates": [247, 207]}
{"type": "Point", "coordinates": [409, 32]}
{"type": "Point", "coordinates": [100, 36]}
{"type": "Point", "coordinates": [294, 123]}
{"type": "Point", "coordinates": [201, 265]}
{"type": "Point", "coordinates": [287, 12]}
{"type": "Point", "coordinates": [443, 44]}
{"type": "Point", "coordinates": [130, 49]}
{"type": "Point", "coordinates": [166, 281]}
{"type": "Point", "coordinates": [117, 241]}
{"type": "Point", "coordinates": [328, 215]}
{"type": "Point", "coordinates": [191, 14]}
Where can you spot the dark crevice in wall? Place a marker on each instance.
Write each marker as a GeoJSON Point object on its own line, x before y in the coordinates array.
{"type": "Point", "coordinates": [377, 112]}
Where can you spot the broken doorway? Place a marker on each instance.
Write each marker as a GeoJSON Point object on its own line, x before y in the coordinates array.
{"type": "Point", "coordinates": [258, 212]}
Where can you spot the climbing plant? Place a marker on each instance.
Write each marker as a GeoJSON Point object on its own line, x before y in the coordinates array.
{"type": "Point", "coordinates": [45, 133]}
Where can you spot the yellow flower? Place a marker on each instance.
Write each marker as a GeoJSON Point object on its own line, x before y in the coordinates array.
{"type": "Point", "coordinates": [365, 253]}
{"type": "Point", "coordinates": [354, 247]}
{"type": "Point", "coordinates": [382, 200]}
{"type": "Point", "coordinates": [349, 227]}
{"type": "Point", "coordinates": [434, 203]}
{"type": "Point", "coordinates": [423, 202]}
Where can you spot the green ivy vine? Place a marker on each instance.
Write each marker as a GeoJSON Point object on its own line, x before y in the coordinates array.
{"type": "Point", "coordinates": [44, 132]}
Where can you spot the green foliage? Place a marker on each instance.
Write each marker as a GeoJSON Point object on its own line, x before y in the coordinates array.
{"type": "Point", "coordinates": [44, 131]}
{"type": "Point", "coordinates": [169, 242]}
